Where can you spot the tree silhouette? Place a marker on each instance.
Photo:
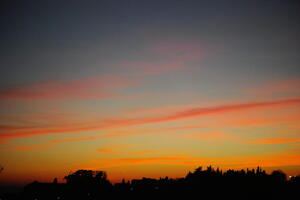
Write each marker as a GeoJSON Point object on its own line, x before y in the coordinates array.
{"type": "Point", "coordinates": [278, 176]}
{"type": "Point", "coordinates": [205, 183]}
{"type": "Point", "coordinates": [86, 177]}
{"type": "Point", "coordinates": [55, 181]}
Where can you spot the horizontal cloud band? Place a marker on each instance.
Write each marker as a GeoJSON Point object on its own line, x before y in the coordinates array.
{"type": "Point", "coordinates": [17, 132]}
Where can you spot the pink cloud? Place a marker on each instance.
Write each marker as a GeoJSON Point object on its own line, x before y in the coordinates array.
{"type": "Point", "coordinates": [16, 132]}
{"type": "Point", "coordinates": [152, 68]}
{"type": "Point", "coordinates": [184, 51]}
{"type": "Point", "coordinates": [195, 112]}
{"type": "Point", "coordinates": [277, 87]}
{"type": "Point", "coordinates": [168, 57]}
{"type": "Point", "coordinates": [96, 87]}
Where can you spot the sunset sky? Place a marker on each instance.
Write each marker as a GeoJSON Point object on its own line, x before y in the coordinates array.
{"type": "Point", "coordinates": [148, 88]}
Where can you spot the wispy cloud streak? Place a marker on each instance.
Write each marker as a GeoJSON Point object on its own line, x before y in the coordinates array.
{"type": "Point", "coordinates": [272, 141]}
{"type": "Point", "coordinates": [116, 123]}
{"type": "Point", "coordinates": [96, 87]}
{"type": "Point", "coordinates": [277, 87]}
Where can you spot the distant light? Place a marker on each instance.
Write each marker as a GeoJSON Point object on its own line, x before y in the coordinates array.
{"type": "Point", "coordinates": [58, 198]}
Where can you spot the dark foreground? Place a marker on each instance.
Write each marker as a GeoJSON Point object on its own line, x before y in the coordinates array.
{"type": "Point", "coordinates": [200, 184]}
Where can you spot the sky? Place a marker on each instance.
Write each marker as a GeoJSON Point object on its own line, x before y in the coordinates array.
{"type": "Point", "coordinates": [148, 88]}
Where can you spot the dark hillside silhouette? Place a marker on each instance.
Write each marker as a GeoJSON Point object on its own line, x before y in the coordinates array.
{"type": "Point", "coordinates": [201, 184]}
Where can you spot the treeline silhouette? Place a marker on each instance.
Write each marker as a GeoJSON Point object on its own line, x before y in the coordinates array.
{"type": "Point", "coordinates": [201, 184]}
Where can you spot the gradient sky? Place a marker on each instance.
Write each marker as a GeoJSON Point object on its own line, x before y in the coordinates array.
{"type": "Point", "coordinates": [148, 88]}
